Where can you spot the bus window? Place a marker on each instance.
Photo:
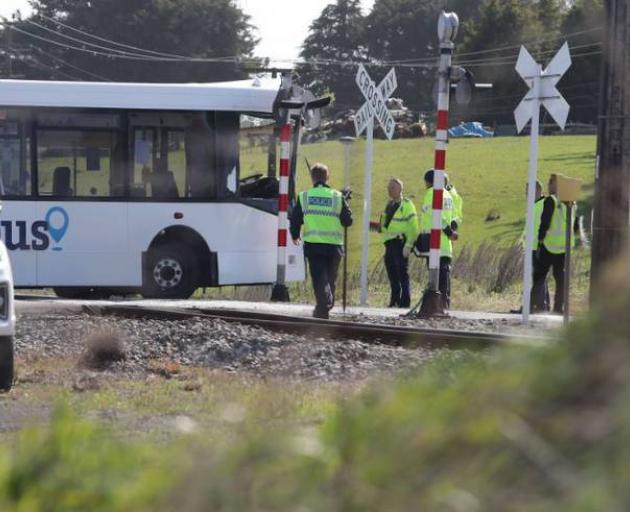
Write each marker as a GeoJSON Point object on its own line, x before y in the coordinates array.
{"type": "Point", "coordinates": [255, 136]}
{"type": "Point", "coordinates": [159, 163]}
{"type": "Point", "coordinates": [77, 163]}
{"type": "Point", "coordinates": [15, 163]}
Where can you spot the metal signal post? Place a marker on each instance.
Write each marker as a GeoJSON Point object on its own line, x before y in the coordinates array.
{"type": "Point", "coordinates": [448, 24]}
{"type": "Point", "coordinates": [280, 292]}
{"type": "Point", "coordinates": [542, 93]}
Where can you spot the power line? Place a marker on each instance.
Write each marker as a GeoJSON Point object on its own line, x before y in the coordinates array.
{"type": "Point", "coordinates": [110, 41]}
{"type": "Point", "coordinates": [108, 54]}
{"type": "Point", "coordinates": [45, 67]}
{"type": "Point", "coordinates": [87, 43]}
{"type": "Point", "coordinates": [66, 63]}
{"type": "Point", "coordinates": [503, 48]}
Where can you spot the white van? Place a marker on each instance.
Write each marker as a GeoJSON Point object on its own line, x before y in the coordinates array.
{"type": "Point", "coordinates": [7, 320]}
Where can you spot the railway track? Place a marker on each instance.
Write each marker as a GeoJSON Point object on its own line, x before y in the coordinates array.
{"type": "Point", "coordinates": [404, 336]}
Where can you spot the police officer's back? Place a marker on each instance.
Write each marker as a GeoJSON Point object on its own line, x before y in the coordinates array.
{"type": "Point", "coordinates": [323, 212]}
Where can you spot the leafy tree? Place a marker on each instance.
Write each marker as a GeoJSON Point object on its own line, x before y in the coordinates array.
{"type": "Point", "coordinates": [406, 31]}
{"type": "Point", "coordinates": [581, 84]}
{"type": "Point", "coordinates": [336, 36]}
{"type": "Point", "coordinates": [195, 28]}
{"type": "Point", "coordinates": [491, 46]}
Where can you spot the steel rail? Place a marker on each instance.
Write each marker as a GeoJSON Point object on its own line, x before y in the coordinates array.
{"type": "Point", "coordinates": [394, 335]}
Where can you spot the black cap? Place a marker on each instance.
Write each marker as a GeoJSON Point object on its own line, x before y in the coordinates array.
{"type": "Point", "coordinates": [428, 176]}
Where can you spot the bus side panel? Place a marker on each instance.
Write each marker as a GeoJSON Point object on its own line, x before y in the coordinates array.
{"type": "Point", "coordinates": [25, 235]}
{"type": "Point", "coordinates": [88, 245]}
{"type": "Point", "coordinates": [243, 237]}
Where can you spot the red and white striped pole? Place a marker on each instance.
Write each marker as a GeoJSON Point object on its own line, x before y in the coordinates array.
{"type": "Point", "coordinates": [447, 30]}
{"type": "Point", "coordinates": [280, 291]}
{"type": "Point", "coordinates": [439, 166]}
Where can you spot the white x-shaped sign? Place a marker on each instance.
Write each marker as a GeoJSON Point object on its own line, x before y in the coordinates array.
{"type": "Point", "coordinates": [548, 96]}
{"type": "Point", "coordinates": [374, 105]}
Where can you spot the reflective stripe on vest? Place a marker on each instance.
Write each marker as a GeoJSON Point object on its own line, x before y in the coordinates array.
{"type": "Point", "coordinates": [556, 238]}
{"type": "Point", "coordinates": [403, 223]}
{"type": "Point", "coordinates": [322, 207]}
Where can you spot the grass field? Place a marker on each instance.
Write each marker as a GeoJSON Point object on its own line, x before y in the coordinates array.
{"type": "Point", "coordinates": [490, 174]}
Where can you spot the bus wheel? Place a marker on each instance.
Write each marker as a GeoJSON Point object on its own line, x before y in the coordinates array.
{"type": "Point", "coordinates": [172, 273]}
{"type": "Point", "coordinates": [6, 363]}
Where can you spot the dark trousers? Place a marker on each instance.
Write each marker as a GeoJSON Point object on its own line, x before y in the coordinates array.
{"type": "Point", "coordinates": [539, 298]}
{"type": "Point", "coordinates": [445, 280]}
{"type": "Point", "coordinates": [398, 273]}
{"type": "Point", "coordinates": [324, 270]}
{"type": "Point", "coordinates": [545, 261]}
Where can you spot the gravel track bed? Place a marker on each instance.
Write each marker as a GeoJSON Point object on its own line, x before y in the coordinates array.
{"type": "Point", "coordinates": [501, 326]}
{"type": "Point", "coordinates": [217, 345]}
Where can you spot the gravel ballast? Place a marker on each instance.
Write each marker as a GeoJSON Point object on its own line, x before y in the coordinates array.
{"type": "Point", "coordinates": [216, 344]}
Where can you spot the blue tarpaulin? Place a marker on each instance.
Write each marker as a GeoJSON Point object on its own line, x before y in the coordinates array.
{"type": "Point", "coordinates": [472, 129]}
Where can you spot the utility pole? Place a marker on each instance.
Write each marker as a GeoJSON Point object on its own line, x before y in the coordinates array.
{"type": "Point", "coordinates": [611, 220]}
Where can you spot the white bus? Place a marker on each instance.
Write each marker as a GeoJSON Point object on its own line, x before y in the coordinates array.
{"type": "Point", "coordinates": [137, 187]}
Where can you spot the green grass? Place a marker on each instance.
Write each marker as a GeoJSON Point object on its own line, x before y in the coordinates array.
{"type": "Point", "coordinates": [490, 174]}
{"type": "Point", "coordinates": [527, 429]}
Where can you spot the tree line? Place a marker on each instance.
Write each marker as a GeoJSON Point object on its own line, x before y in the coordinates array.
{"type": "Point", "coordinates": [131, 40]}
{"type": "Point", "coordinates": [402, 33]}
{"type": "Point", "coordinates": [213, 40]}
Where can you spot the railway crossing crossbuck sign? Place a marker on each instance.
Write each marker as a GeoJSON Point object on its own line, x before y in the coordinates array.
{"type": "Point", "coordinates": [542, 92]}
{"type": "Point", "coordinates": [374, 107]}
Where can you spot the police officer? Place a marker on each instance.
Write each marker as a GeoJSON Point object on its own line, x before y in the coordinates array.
{"type": "Point", "coordinates": [399, 230]}
{"type": "Point", "coordinates": [551, 246]}
{"type": "Point", "coordinates": [323, 212]}
{"type": "Point", "coordinates": [449, 234]}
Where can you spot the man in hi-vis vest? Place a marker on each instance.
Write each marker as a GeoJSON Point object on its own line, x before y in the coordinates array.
{"type": "Point", "coordinates": [399, 230]}
{"type": "Point", "coordinates": [323, 212]}
{"type": "Point", "coordinates": [552, 239]}
{"type": "Point", "coordinates": [449, 234]}
{"type": "Point", "coordinates": [539, 301]}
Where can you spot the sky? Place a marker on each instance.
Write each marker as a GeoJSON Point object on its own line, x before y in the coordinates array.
{"type": "Point", "coordinates": [282, 24]}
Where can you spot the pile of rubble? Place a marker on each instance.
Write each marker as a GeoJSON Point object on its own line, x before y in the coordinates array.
{"type": "Point", "coordinates": [409, 125]}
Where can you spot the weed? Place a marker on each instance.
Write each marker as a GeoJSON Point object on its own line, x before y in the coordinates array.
{"type": "Point", "coordinates": [102, 349]}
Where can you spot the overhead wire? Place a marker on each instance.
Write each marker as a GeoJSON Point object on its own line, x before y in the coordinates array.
{"type": "Point", "coordinates": [37, 63]}
{"type": "Point", "coordinates": [70, 65]}
{"type": "Point", "coordinates": [123, 56]}
{"type": "Point", "coordinates": [503, 48]}
{"type": "Point", "coordinates": [110, 41]}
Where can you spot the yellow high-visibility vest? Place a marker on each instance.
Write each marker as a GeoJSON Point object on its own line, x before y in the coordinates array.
{"type": "Point", "coordinates": [321, 207]}
{"type": "Point", "coordinates": [403, 223]}
{"type": "Point", "coordinates": [426, 219]}
{"type": "Point", "coordinates": [556, 237]}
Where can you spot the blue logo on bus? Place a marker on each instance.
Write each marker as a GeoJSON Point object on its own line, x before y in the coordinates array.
{"type": "Point", "coordinates": [19, 236]}
{"type": "Point", "coordinates": [57, 220]}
